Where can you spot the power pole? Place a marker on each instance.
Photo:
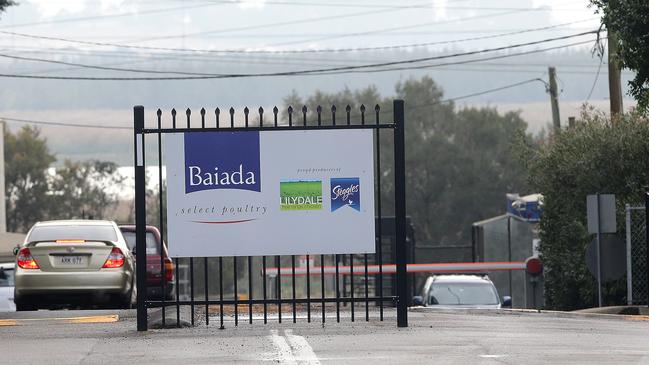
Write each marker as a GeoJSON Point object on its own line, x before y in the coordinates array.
{"type": "Point", "coordinates": [554, 99]}
{"type": "Point", "coordinates": [614, 81]}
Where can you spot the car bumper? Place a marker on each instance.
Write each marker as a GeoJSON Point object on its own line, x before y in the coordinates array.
{"type": "Point", "coordinates": [30, 282]}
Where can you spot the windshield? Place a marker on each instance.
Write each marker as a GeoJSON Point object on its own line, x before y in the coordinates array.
{"type": "Point", "coordinates": [462, 294]}
{"type": "Point", "coordinates": [84, 232]}
{"type": "Point", "coordinates": [6, 277]}
{"type": "Point", "coordinates": [152, 247]}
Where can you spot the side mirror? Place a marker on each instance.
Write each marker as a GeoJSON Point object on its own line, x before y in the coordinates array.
{"type": "Point", "coordinates": [417, 300]}
{"type": "Point", "coordinates": [3, 275]}
{"type": "Point", "coordinates": [133, 250]}
{"type": "Point", "coordinates": [16, 250]}
{"type": "Point", "coordinates": [507, 301]}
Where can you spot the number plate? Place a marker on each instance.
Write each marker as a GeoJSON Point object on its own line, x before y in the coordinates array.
{"type": "Point", "coordinates": [76, 260]}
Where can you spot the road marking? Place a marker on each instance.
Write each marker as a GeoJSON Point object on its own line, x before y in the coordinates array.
{"type": "Point", "coordinates": [636, 318]}
{"type": "Point", "coordinates": [491, 356]}
{"type": "Point", "coordinates": [292, 349]}
{"type": "Point", "coordinates": [90, 319]}
{"type": "Point", "coordinates": [284, 353]}
{"type": "Point", "coordinates": [302, 348]}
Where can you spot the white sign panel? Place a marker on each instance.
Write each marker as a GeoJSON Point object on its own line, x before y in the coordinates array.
{"type": "Point", "coordinates": [256, 193]}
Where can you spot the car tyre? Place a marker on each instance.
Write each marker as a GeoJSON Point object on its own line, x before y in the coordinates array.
{"type": "Point", "coordinates": [129, 301]}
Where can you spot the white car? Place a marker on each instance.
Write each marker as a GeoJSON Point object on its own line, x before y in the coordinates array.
{"type": "Point", "coordinates": [7, 287]}
{"type": "Point", "coordinates": [460, 291]}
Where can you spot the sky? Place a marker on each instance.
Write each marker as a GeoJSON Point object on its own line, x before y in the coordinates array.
{"type": "Point", "coordinates": [287, 24]}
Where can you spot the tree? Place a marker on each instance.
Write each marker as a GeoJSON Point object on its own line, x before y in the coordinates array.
{"type": "Point", "coordinates": [629, 20]}
{"type": "Point", "coordinates": [592, 157]}
{"type": "Point", "coordinates": [458, 163]}
{"type": "Point", "coordinates": [84, 189]}
{"type": "Point", "coordinates": [35, 192]}
{"type": "Point", "coordinates": [5, 4]}
{"type": "Point", "coordinates": [27, 159]}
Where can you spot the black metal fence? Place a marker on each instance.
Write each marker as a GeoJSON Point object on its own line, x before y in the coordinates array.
{"type": "Point", "coordinates": [265, 280]}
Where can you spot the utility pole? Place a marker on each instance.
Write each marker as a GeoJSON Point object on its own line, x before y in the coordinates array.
{"type": "Point", "coordinates": [614, 82]}
{"type": "Point", "coordinates": [554, 99]}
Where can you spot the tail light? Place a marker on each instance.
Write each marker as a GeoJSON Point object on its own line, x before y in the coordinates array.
{"type": "Point", "coordinates": [25, 259]}
{"type": "Point", "coordinates": [115, 259]}
{"type": "Point", "coordinates": [169, 270]}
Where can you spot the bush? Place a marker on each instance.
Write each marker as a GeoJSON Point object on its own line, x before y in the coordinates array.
{"type": "Point", "coordinates": [595, 156]}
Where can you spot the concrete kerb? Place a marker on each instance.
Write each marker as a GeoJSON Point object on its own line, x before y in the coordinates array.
{"type": "Point", "coordinates": [518, 312]}
{"type": "Point", "coordinates": [155, 317]}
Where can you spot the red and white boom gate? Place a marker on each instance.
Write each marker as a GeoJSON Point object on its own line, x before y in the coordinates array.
{"type": "Point", "coordinates": [532, 265]}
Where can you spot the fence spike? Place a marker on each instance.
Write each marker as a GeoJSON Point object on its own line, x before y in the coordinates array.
{"type": "Point", "coordinates": [261, 116]}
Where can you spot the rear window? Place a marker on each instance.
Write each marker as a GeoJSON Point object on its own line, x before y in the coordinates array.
{"type": "Point", "coordinates": [152, 246]}
{"type": "Point", "coordinates": [463, 294]}
{"type": "Point", "coordinates": [85, 232]}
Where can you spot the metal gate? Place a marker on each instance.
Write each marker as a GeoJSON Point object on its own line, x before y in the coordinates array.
{"type": "Point", "coordinates": [254, 289]}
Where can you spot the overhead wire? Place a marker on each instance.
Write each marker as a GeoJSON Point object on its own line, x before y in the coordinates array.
{"type": "Point", "coordinates": [348, 68]}
{"type": "Point", "coordinates": [325, 50]}
{"type": "Point", "coordinates": [108, 16]}
{"type": "Point", "coordinates": [78, 125]}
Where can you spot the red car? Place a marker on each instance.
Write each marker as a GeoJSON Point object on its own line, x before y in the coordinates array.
{"type": "Point", "coordinates": [154, 277]}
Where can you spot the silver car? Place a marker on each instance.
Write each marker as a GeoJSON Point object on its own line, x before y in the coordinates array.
{"type": "Point", "coordinates": [7, 287]}
{"type": "Point", "coordinates": [460, 291]}
{"type": "Point", "coordinates": [79, 263]}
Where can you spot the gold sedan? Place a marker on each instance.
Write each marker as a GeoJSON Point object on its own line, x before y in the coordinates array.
{"type": "Point", "coordinates": [78, 263]}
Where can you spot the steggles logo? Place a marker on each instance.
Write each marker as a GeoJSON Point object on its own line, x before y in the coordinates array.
{"type": "Point", "coordinates": [345, 192]}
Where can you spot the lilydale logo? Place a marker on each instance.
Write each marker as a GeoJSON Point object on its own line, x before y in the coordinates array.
{"type": "Point", "coordinates": [345, 192]}
{"type": "Point", "coordinates": [222, 160]}
{"type": "Point", "coordinates": [300, 195]}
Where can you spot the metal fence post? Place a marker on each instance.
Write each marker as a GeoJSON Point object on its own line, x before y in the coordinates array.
{"type": "Point", "coordinates": [646, 212]}
{"type": "Point", "coordinates": [629, 274]}
{"type": "Point", "coordinates": [400, 212]}
{"type": "Point", "coordinates": [140, 218]}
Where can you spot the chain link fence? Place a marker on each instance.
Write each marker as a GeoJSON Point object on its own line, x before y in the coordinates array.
{"type": "Point", "coordinates": [636, 255]}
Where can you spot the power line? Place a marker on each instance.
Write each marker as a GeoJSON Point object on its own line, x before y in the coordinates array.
{"type": "Point", "coordinates": [62, 124]}
{"type": "Point", "coordinates": [384, 30]}
{"type": "Point", "coordinates": [307, 72]}
{"type": "Point", "coordinates": [599, 68]}
{"type": "Point", "coordinates": [277, 24]}
{"type": "Point", "coordinates": [448, 100]}
{"type": "Point", "coordinates": [99, 17]}
{"type": "Point", "coordinates": [194, 50]}
{"type": "Point", "coordinates": [466, 61]}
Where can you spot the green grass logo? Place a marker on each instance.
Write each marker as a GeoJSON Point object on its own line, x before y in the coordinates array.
{"type": "Point", "coordinates": [300, 195]}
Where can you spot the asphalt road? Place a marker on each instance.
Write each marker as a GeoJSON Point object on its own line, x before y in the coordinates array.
{"type": "Point", "coordinates": [469, 337]}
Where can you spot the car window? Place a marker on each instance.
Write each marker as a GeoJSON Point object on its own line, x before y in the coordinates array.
{"type": "Point", "coordinates": [152, 246]}
{"type": "Point", "coordinates": [71, 232]}
{"type": "Point", "coordinates": [462, 294]}
{"type": "Point", "coordinates": [6, 277]}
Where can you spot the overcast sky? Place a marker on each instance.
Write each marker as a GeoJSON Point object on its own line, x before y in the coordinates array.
{"type": "Point", "coordinates": [290, 24]}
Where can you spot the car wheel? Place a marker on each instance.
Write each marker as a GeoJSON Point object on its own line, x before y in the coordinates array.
{"type": "Point", "coordinates": [130, 300]}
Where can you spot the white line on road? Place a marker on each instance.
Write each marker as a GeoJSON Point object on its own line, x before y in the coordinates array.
{"type": "Point", "coordinates": [302, 348]}
{"type": "Point", "coordinates": [294, 351]}
{"type": "Point", "coordinates": [284, 353]}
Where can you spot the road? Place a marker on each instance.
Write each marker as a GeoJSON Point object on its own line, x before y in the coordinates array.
{"type": "Point", "coordinates": [469, 337]}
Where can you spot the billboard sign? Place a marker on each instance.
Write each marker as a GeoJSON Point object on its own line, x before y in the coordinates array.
{"type": "Point", "coordinates": [253, 193]}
